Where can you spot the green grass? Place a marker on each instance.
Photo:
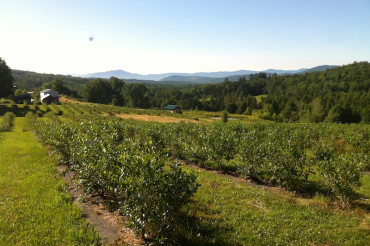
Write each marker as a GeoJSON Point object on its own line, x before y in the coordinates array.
{"type": "Point", "coordinates": [70, 107]}
{"type": "Point", "coordinates": [228, 212]}
{"type": "Point", "coordinates": [55, 109]}
{"type": "Point", "coordinates": [32, 107]}
{"type": "Point", "coordinates": [43, 107]}
{"type": "Point", "coordinates": [67, 112]}
{"type": "Point", "coordinates": [259, 98]}
{"type": "Point", "coordinates": [75, 109]}
{"type": "Point", "coordinates": [35, 206]}
{"type": "Point", "coordinates": [365, 187]}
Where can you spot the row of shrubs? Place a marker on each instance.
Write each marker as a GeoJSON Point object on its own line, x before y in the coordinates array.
{"type": "Point", "coordinates": [21, 110]}
{"type": "Point", "coordinates": [147, 188]}
{"type": "Point", "coordinates": [7, 122]}
{"type": "Point", "coordinates": [311, 158]}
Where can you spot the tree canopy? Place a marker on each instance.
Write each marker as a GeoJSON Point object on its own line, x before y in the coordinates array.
{"type": "Point", "coordinates": [6, 79]}
{"type": "Point", "coordinates": [98, 91]}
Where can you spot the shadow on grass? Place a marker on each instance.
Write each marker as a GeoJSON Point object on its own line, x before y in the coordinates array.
{"type": "Point", "coordinates": [200, 227]}
{"type": "Point", "coordinates": [310, 189]}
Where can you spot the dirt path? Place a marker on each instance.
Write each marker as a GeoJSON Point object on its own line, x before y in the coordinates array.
{"type": "Point", "coordinates": [110, 225]}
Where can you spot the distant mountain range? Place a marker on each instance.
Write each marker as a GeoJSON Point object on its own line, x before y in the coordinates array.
{"type": "Point", "coordinates": [202, 77]}
{"type": "Point", "coordinates": [319, 68]}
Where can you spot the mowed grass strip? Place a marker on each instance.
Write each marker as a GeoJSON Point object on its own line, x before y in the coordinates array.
{"type": "Point", "coordinates": [230, 212]}
{"type": "Point", "coordinates": [35, 207]}
{"type": "Point", "coordinates": [365, 187]}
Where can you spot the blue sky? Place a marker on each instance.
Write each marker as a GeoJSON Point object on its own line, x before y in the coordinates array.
{"type": "Point", "coordinates": [182, 36]}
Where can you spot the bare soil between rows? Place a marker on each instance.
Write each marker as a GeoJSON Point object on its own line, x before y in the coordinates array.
{"type": "Point", "coordinates": [111, 226]}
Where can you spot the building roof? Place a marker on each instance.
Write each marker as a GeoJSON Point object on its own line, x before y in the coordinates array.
{"type": "Point", "coordinates": [46, 90]}
{"type": "Point", "coordinates": [171, 107]}
{"type": "Point", "coordinates": [47, 93]}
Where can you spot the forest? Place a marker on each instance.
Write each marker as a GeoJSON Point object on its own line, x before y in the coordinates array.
{"type": "Point", "coordinates": [336, 95]}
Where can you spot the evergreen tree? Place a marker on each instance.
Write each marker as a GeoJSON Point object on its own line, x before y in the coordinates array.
{"type": "Point", "coordinates": [6, 80]}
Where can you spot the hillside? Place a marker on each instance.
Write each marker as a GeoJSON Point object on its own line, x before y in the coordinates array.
{"type": "Point", "coordinates": [339, 94]}
{"type": "Point", "coordinates": [193, 79]}
{"type": "Point", "coordinates": [30, 80]}
{"type": "Point", "coordinates": [336, 95]}
{"type": "Point", "coordinates": [319, 68]}
{"type": "Point", "coordinates": [184, 77]}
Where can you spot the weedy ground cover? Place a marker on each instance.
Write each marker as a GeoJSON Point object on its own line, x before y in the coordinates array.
{"type": "Point", "coordinates": [35, 207]}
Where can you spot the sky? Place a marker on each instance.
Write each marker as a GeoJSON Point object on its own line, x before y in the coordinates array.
{"type": "Point", "coordinates": [160, 36]}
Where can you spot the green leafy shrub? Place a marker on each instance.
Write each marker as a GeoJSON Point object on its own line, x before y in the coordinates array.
{"type": "Point", "coordinates": [340, 172]}
{"type": "Point", "coordinates": [342, 175]}
{"type": "Point", "coordinates": [7, 121]}
{"type": "Point", "coordinates": [224, 117]}
{"type": "Point", "coordinates": [127, 170]}
{"type": "Point", "coordinates": [283, 154]}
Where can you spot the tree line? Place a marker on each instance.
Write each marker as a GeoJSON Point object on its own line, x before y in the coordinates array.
{"type": "Point", "coordinates": [336, 95]}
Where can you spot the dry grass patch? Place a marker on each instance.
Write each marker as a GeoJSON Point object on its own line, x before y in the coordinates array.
{"type": "Point", "coordinates": [65, 99]}
{"type": "Point", "coordinates": [155, 118]}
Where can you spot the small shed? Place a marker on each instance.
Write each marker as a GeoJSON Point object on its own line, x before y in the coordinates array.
{"type": "Point", "coordinates": [173, 108]}
{"type": "Point", "coordinates": [24, 97]}
{"type": "Point", "coordinates": [48, 96]}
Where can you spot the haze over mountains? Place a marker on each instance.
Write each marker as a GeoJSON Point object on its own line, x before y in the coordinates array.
{"type": "Point", "coordinates": [201, 76]}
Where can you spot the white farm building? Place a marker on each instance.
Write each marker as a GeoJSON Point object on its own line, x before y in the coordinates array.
{"type": "Point", "coordinates": [48, 96]}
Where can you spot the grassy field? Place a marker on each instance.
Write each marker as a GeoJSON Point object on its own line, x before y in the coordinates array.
{"type": "Point", "coordinates": [259, 98]}
{"type": "Point", "coordinates": [365, 187]}
{"type": "Point", "coordinates": [230, 212]}
{"type": "Point", "coordinates": [35, 207]}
